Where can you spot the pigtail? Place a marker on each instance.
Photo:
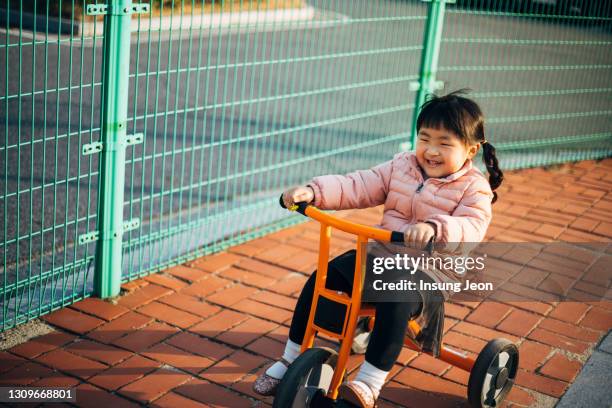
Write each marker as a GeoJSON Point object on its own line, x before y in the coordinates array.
{"type": "Point", "coordinates": [496, 176]}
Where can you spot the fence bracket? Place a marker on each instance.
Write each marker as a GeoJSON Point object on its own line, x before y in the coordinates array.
{"type": "Point", "coordinates": [95, 235]}
{"type": "Point", "coordinates": [105, 9]}
{"type": "Point", "coordinates": [96, 147]}
{"type": "Point", "coordinates": [131, 224]}
{"type": "Point", "coordinates": [405, 146]}
{"type": "Point", "coordinates": [91, 148]}
{"type": "Point", "coordinates": [89, 237]}
{"type": "Point", "coordinates": [134, 139]}
{"type": "Point", "coordinates": [434, 86]}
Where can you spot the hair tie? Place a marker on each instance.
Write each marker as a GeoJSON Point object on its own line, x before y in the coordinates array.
{"type": "Point", "coordinates": [484, 141]}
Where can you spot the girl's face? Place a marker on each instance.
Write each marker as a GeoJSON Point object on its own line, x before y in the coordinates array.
{"type": "Point", "coordinates": [441, 153]}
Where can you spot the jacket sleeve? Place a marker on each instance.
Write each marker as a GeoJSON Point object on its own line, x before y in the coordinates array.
{"type": "Point", "coordinates": [360, 189]}
{"type": "Point", "coordinates": [469, 221]}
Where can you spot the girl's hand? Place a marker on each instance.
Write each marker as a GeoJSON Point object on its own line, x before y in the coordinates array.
{"type": "Point", "coordinates": [297, 195]}
{"type": "Point", "coordinates": [418, 235]}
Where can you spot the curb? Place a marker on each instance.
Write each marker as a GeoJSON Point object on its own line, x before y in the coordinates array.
{"type": "Point", "coordinates": [243, 19]}
{"type": "Point", "coordinates": [591, 388]}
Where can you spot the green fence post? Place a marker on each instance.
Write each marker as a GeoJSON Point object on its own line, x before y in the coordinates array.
{"type": "Point", "coordinates": [429, 59]}
{"type": "Point", "coordinates": [115, 81]}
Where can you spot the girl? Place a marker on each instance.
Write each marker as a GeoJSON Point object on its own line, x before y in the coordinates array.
{"type": "Point", "coordinates": [432, 192]}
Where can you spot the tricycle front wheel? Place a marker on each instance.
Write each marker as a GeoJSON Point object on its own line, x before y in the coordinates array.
{"type": "Point", "coordinates": [307, 379]}
{"type": "Point", "coordinates": [493, 374]}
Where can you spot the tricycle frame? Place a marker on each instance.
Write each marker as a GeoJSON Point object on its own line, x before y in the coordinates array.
{"type": "Point", "coordinates": [354, 308]}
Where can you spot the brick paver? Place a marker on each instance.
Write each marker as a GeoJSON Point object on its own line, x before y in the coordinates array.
{"type": "Point", "coordinates": [103, 353]}
{"type": "Point", "coordinates": [73, 321]}
{"type": "Point", "coordinates": [122, 326]}
{"type": "Point", "coordinates": [178, 358]}
{"type": "Point", "coordinates": [125, 372]}
{"type": "Point", "coordinates": [41, 344]}
{"type": "Point", "coordinates": [154, 385]}
{"type": "Point", "coordinates": [72, 364]}
{"type": "Point", "coordinates": [99, 308]}
{"type": "Point", "coordinates": [561, 367]}
{"type": "Point", "coordinates": [198, 334]}
{"type": "Point", "coordinates": [147, 336]}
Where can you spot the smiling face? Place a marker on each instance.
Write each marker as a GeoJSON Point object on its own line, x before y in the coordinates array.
{"type": "Point", "coordinates": [441, 153]}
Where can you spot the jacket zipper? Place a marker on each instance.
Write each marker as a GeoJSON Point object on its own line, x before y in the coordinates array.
{"type": "Point", "coordinates": [418, 190]}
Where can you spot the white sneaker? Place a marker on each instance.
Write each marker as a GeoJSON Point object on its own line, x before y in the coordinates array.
{"type": "Point", "coordinates": [362, 336]}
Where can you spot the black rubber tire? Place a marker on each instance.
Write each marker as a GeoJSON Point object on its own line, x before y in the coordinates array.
{"type": "Point", "coordinates": [299, 372]}
{"type": "Point", "coordinates": [478, 374]}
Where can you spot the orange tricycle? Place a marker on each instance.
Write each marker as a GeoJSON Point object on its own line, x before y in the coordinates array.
{"type": "Point", "coordinates": [312, 380]}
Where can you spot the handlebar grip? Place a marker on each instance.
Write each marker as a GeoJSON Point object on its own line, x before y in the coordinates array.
{"type": "Point", "coordinates": [397, 237]}
{"type": "Point", "coordinates": [301, 206]}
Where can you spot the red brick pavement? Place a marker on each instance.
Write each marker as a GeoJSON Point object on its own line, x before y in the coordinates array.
{"type": "Point", "coordinates": [198, 334]}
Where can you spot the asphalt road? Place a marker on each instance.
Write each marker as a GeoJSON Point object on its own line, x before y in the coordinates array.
{"type": "Point", "coordinates": [231, 117]}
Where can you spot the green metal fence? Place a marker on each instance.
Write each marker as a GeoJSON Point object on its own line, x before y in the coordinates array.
{"type": "Point", "coordinates": [143, 137]}
{"type": "Point", "coordinates": [543, 74]}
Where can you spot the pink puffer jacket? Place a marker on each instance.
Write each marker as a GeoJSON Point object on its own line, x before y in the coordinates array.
{"type": "Point", "coordinates": [459, 205]}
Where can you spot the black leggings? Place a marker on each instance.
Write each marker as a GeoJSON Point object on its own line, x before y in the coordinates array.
{"type": "Point", "coordinates": [391, 317]}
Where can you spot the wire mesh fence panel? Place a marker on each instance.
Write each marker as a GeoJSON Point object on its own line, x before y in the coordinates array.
{"type": "Point", "coordinates": [542, 71]}
{"type": "Point", "coordinates": [49, 93]}
{"type": "Point", "coordinates": [238, 102]}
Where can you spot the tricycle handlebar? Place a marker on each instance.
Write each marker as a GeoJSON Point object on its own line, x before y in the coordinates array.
{"type": "Point", "coordinates": [378, 234]}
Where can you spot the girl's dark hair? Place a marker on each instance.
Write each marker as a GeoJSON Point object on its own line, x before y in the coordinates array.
{"type": "Point", "coordinates": [463, 117]}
